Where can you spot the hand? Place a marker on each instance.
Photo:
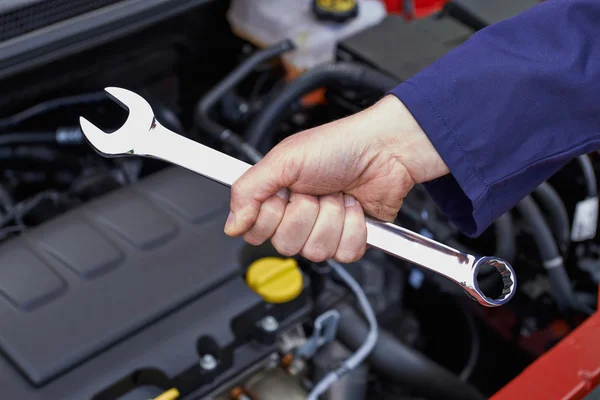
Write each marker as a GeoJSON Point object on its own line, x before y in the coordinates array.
{"type": "Point", "coordinates": [310, 193]}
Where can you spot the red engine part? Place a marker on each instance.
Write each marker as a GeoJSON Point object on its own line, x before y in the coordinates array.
{"type": "Point", "coordinates": [414, 9]}
{"type": "Point", "coordinates": [568, 371]}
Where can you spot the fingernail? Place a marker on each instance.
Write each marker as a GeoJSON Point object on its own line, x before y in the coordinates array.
{"type": "Point", "coordinates": [349, 201]}
{"type": "Point", "coordinates": [230, 223]}
{"type": "Point", "coordinates": [284, 193]}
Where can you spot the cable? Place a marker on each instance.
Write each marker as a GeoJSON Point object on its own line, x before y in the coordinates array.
{"type": "Point", "coordinates": [6, 231]}
{"type": "Point", "coordinates": [402, 364]}
{"type": "Point", "coordinates": [557, 211]}
{"type": "Point", "coordinates": [62, 136]}
{"type": "Point", "coordinates": [50, 105]}
{"type": "Point", "coordinates": [21, 209]}
{"type": "Point", "coordinates": [588, 173]}
{"type": "Point", "coordinates": [364, 349]}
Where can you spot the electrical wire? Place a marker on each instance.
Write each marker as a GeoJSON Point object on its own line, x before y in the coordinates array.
{"type": "Point", "coordinates": [21, 209]}
{"type": "Point", "coordinates": [369, 343]}
{"type": "Point", "coordinates": [6, 231]}
{"type": "Point", "coordinates": [50, 105]}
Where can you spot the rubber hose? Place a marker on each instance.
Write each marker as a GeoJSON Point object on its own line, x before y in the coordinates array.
{"type": "Point", "coordinates": [51, 105]}
{"type": "Point", "coordinates": [404, 365]}
{"type": "Point", "coordinates": [588, 173]}
{"type": "Point", "coordinates": [209, 100]}
{"type": "Point", "coordinates": [551, 202]}
{"type": "Point", "coordinates": [548, 250]}
{"type": "Point", "coordinates": [260, 134]}
{"type": "Point", "coordinates": [463, 14]}
{"type": "Point", "coordinates": [506, 242]}
{"type": "Point", "coordinates": [10, 138]}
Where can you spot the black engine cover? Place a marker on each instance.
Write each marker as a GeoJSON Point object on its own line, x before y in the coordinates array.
{"type": "Point", "coordinates": [129, 282]}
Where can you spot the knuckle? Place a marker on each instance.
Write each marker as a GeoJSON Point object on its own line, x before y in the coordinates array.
{"type": "Point", "coordinates": [317, 254]}
{"type": "Point", "coordinates": [307, 202]}
{"type": "Point", "coordinates": [348, 256]}
{"type": "Point", "coordinates": [344, 257]}
{"type": "Point", "coordinates": [271, 210]}
{"type": "Point", "coordinates": [236, 187]}
{"type": "Point", "coordinates": [252, 238]}
{"type": "Point", "coordinates": [283, 247]}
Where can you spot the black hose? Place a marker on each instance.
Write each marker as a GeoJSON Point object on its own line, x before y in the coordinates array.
{"type": "Point", "coordinates": [464, 15]}
{"type": "Point", "coordinates": [551, 202]}
{"type": "Point", "coordinates": [396, 361]}
{"type": "Point", "coordinates": [548, 250]}
{"type": "Point", "coordinates": [50, 105]}
{"type": "Point", "coordinates": [202, 117]}
{"type": "Point", "coordinates": [42, 154]}
{"type": "Point", "coordinates": [506, 242]}
{"type": "Point", "coordinates": [10, 138]}
{"type": "Point", "coordinates": [588, 173]}
{"type": "Point", "coordinates": [260, 134]}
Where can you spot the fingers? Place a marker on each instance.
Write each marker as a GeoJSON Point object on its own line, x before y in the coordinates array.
{"type": "Point", "coordinates": [270, 176]}
{"type": "Point", "coordinates": [327, 231]}
{"type": "Point", "coordinates": [269, 216]}
{"type": "Point", "coordinates": [317, 228]}
{"type": "Point", "coordinates": [353, 242]}
{"type": "Point", "coordinates": [297, 224]}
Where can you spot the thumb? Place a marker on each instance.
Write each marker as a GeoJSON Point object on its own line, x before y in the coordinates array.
{"type": "Point", "coordinates": [261, 181]}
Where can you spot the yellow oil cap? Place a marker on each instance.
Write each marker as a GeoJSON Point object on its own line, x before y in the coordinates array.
{"type": "Point", "coordinates": [335, 10]}
{"type": "Point", "coordinates": [276, 280]}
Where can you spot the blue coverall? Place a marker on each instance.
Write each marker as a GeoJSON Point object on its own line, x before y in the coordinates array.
{"type": "Point", "coordinates": [510, 107]}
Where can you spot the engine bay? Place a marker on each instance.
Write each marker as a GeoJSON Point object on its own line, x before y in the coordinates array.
{"type": "Point", "coordinates": [118, 283]}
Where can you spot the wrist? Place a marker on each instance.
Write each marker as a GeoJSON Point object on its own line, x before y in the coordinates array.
{"type": "Point", "coordinates": [402, 135]}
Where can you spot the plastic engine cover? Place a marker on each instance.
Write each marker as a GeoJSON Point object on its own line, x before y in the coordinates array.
{"type": "Point", "coordinates": [129, 281]}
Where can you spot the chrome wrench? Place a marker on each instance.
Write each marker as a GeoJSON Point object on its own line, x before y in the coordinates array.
{"type": "Point", "coordinates": [143, 135]}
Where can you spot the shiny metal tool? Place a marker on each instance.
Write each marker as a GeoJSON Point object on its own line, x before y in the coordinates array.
{"type": "Point", "coordinates": [143, 135]}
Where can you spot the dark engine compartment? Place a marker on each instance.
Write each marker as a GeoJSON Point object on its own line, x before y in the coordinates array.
{"type": "Point", "coordinates": [117, 281]}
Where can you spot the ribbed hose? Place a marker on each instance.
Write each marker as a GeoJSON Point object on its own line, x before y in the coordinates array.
{"type": "Point", "coordinates": [409, 368]}
{"type": "Point", "coordinates": [548, 250]}
{"type": "Point", "coordinates": [260, 134]}
{"type": "Point", "coordinates": [551, 202]}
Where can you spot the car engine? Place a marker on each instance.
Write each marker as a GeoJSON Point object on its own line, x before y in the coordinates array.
{"type": "Point", "coordinates": [118, 283]}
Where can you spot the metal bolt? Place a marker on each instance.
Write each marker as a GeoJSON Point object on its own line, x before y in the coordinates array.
{"type": "Point", "coordinates": [296, 367]}
{"type": "Point", "coordinates": [208, 362]}
{"type": "Point", "coordinates": [273, 361]}
{"type": "Point", "coordinates": [269, 324]}
{"type": "Point", "coordinates": [243, 108]}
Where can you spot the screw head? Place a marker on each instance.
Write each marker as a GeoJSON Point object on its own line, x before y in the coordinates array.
{"type": "Point", "coordinates": [208, 362]}
{"type": "Point", "coordinates": [273, 361]}
{"type": "Point", "coordinates": [269, 324]}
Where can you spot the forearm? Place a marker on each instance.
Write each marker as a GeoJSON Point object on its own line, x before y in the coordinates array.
{"type": "Point", "coordinates": [510, 107]}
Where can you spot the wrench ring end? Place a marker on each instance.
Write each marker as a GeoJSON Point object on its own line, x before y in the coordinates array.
{"type": "Point", "coordinates": [509, 281]}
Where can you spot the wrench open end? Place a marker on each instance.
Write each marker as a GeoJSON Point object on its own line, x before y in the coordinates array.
{"type": "Point", "coordinates": [130, 135]}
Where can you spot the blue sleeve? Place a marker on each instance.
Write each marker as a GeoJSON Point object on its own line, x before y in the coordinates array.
{"type": "Point", "coordinates": [510, 107]}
